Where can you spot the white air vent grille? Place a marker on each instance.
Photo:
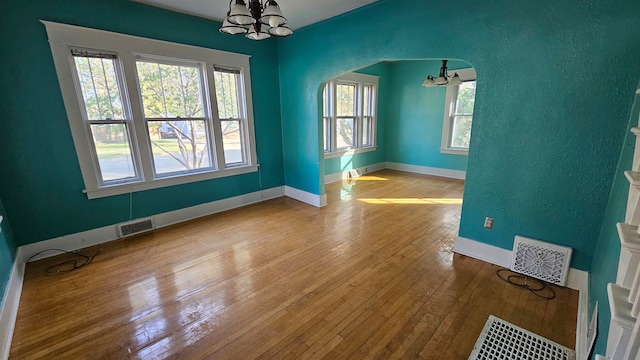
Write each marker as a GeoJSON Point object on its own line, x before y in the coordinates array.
{"type": "Point", "coordinates": [135, 227]}
{"type": "Point", "coordinates": [502, 340]}
{"type": "Point", "coordinates": [541, 260]}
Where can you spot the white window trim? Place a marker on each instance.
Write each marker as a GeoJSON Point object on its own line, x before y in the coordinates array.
{"type": "Point", "coordinates": [449, 102]}
{"type": "Point", "coordinates": [360, 80]}
{"type": "Point", "coordinates": [62, 37]}
{"type": "Point", "coordinates": [343, 152]}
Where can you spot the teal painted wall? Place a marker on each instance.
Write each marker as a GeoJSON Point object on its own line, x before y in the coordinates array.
{"type": "Point", "coordinates": [7, 253]}
{"type": "Point", "coordinates": [607, 251]}
{"type": "Point", "coordinates": [414, 128]}
{"type": "Point", "coordinates": [548, 127]}
{"type": "Point", "coordinates": [348, 162]}
{"type": "Point", "coordinates": [41, 184]}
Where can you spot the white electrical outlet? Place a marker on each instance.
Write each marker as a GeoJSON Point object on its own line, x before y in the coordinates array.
{"type": "Point", "coordinates": [488, 223]}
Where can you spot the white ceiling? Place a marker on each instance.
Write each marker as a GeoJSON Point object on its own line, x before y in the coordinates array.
{"type": "Point", "coordinates": [300, 13]}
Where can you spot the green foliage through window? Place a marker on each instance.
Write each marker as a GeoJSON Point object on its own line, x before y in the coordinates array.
{"type": "Point", "coordinates": [463, 115]}
{"type": "Point", "coordinates": [99, 84]}
{"type": "Point", "coordinates": [170, 91]}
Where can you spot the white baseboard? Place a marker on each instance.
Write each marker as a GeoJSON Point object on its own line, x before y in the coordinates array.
{"type": "Point", "coordinates": [576, 279]}
{"type": "Point", "coordinates": [331, 178]}
{"type": "Point", "coordinates": [328, 179]}
{"type": "Point", "coordinates": [306, 197]}
{"type": "Point", "coordinates": [69, 242]}
{"type": "Point", "coordinates": [426, 170]}
{"type": "Point", "coordinates": [10, 304]}
{"type": "Point", "coordinates": [194, 212]}
{"type": "Point", "coordinates": [108, 233]}
{"type": "Point", "coordinates": [489, 253]}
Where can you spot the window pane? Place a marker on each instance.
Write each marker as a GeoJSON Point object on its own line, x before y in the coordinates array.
{"type": "Point", "coordinates": [232, 142]}
{"type": "Point", "coordinates": [326, 127]}
{"type": "Point", "coordinates": [99, 86]}
{"type": "Point", "coordinates": [170, 91]}
{"type": "Point", "coordinates": [345, 100]}
{"type": "Point", "coordinates": [461, 132]}
{"type": "Point", "coordinates": [114, 151]}
{"type": "Point", "coordinates": [179, 145]}
{"type": "Point", "coordinates": [466, 97]}
{"type": "Point", "coordinates": [227, 93]}
{"type": "Point", "coordinates": [367, 124]}
{"type": "Point", "coordinates": [344, 130]}
{"type": "Point", "coordinates": [367, 100]}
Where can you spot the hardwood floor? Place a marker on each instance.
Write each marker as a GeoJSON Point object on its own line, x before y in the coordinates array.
{"type": "Point", "coordinates": [371, 275]}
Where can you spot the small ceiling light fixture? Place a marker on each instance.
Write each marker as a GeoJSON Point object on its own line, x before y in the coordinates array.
{"type": "Point", "coordinates": [443, 78]}
{"type": "Point", "coordinates": [257, 20]}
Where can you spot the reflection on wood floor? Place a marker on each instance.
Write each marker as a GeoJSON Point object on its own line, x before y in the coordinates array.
{"type": "Point", "coordinates": [371, 275]}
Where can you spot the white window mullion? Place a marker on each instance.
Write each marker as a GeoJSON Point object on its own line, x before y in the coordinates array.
{"type": "Point", "coordinates": [357, 133]}
{"type": "Point", "coordinates": [334, 118]}
{"type": "Point", "coordinates": [216, 126]}
{"type": "Point", "coordinates": [139, 130]}
{"type": "Point", "coordinates": [219, 149]}
{"type": "Point", "coordinates": [330, 116]}
{"type": "Point", "coordinates": [211, 114]}
{"type": "Point", "coordinates": [247, 155]}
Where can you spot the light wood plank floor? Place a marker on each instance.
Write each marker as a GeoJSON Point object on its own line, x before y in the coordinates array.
{"type": "Point", "coordinates": [371, 275]}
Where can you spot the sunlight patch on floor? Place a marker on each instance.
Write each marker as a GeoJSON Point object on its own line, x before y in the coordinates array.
{"type": "Point", "coordinates": [414, 201]}
{"type": "Point", "coordinates": [366, 178]}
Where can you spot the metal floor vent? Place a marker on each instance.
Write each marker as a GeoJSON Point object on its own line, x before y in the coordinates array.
{"type": "Point", "coordinates": [134, 227]}
{"type": "Point", "coordinates": [353, 174]}
{"type": "Point", "coordinates": [541, 260]}
{"type": "Point", "coordinates": [502, 340]}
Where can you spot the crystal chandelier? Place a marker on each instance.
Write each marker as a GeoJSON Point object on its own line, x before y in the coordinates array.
{"type": "Point", "coordinates": [258, 21]}
{"type": "Point", "coordinates": [443, 78]}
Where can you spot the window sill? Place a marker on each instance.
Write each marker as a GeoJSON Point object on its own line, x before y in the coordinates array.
{"type": "Point", "coordinates": [342, 153]}
{"type": "Point", "coordinates": [454, 151]}
{"type": "Point", "coordinates": [126, 188]}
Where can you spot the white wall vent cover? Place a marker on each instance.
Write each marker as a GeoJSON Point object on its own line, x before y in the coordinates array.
{"type": "Point", "coordinates": [353, 174]}
{"type": "Point", "coordinates": [134, 227]}
{"type": "Point", "coordinates": [502, 340]}
{"type": "Point", "coordinates": [541, 260]}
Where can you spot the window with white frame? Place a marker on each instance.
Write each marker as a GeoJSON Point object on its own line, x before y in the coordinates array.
{"type": "Point", "coordinates": [108, 121]}
{"type": "Point", "coordinates": [172, 103]}
{"type": "Point", "coordinates": [349, 119]}
{"type": "Point", "coordinates": [146, 114]}
{"type": "Point", "coordinates": [458, 114]}
{"type": "Point", "coordinates": [229, 96]}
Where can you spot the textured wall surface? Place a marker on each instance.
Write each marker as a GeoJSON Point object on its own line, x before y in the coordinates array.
{"type": "Point", "coordinates": [414, 128]}
{"type": "Point", "coordinates": [347, 162]}
{"type": "Point", "coordinates": [7, 253]}
{"type": "Point", "coordinates": [607, 252]}
{"type": "Point", "coordinates": [546, 135]}
{"type": "Point", "coordinates": [41, 184]}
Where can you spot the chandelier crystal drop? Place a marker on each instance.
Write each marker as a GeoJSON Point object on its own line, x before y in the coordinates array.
{"type": "Point", "coordinates": [443, 78]}
{"type": "Point", "coordinates": [257, 20]}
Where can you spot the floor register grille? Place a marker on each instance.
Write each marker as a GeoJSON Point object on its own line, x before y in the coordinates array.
{"type": "Point", "coordinates": [502, 340]}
